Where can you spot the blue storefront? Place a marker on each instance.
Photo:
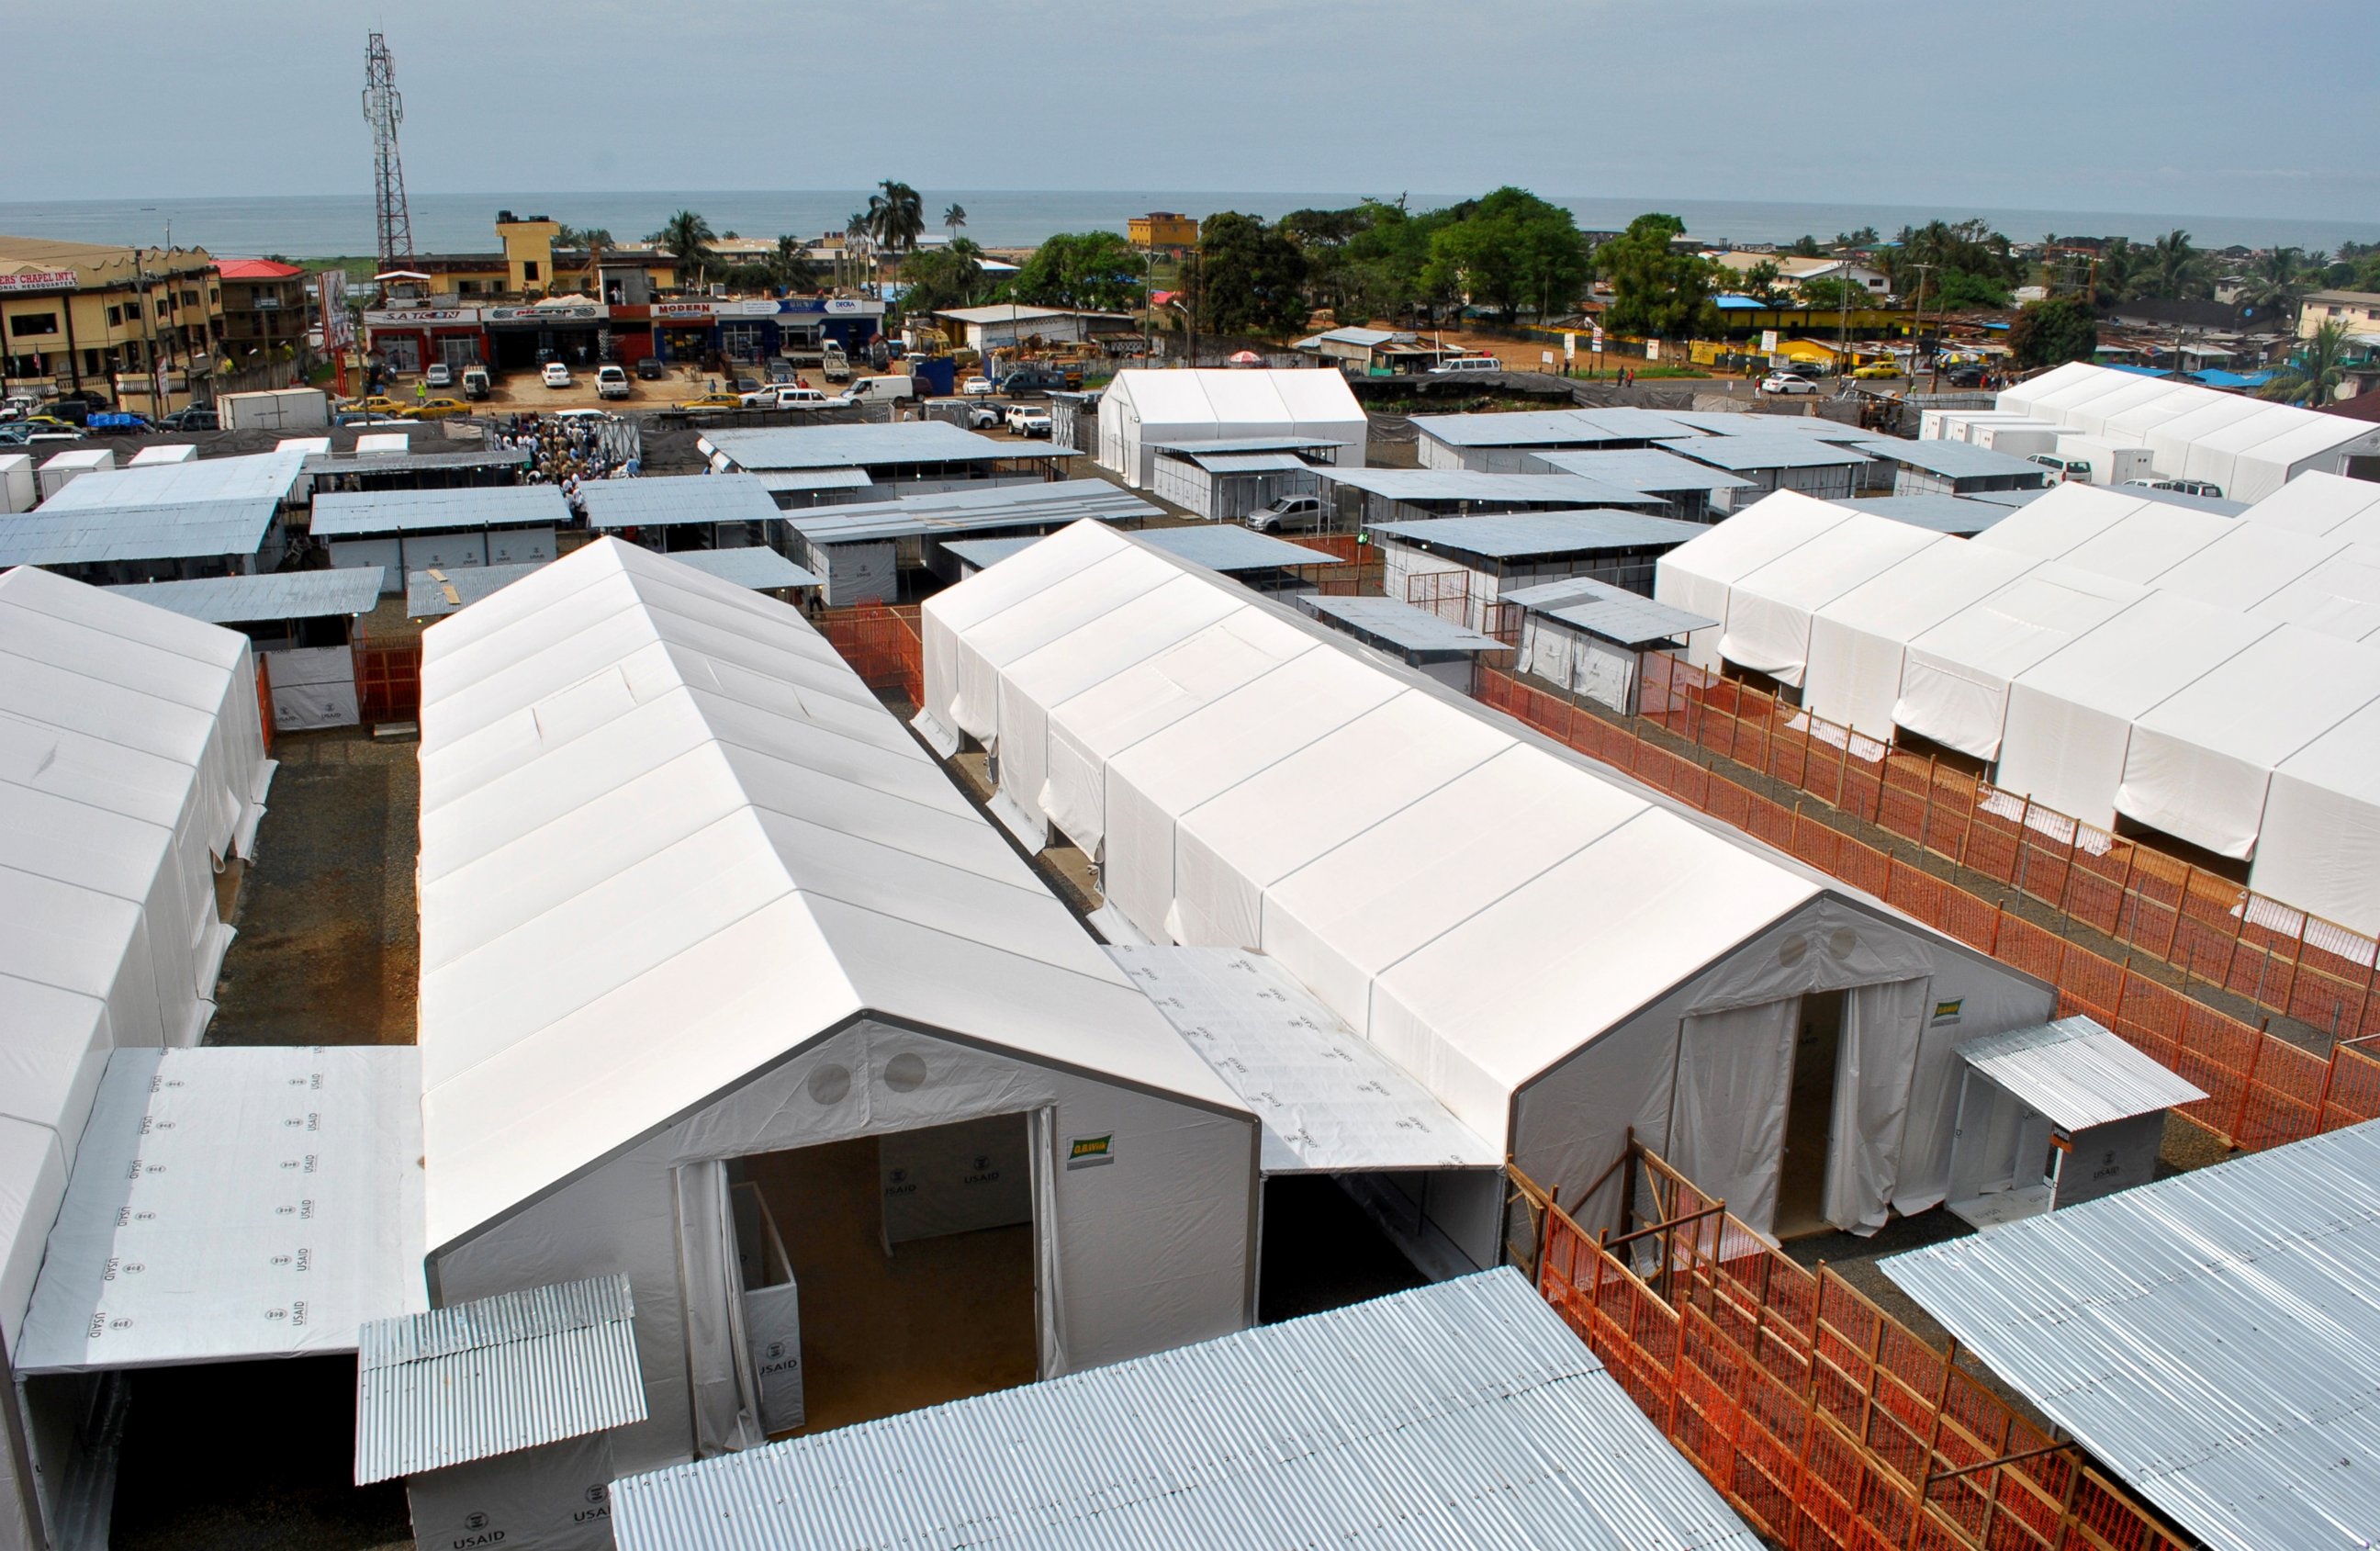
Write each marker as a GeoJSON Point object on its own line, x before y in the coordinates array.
{"type": "Point", "coordinates": [761, 328]}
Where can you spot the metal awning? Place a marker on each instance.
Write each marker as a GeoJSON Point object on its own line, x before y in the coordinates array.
{"type": "Point", "coordinates": [2077, 1073]}
{"type": "Point", "coordinates": [1329, 1101]}
{"type": "Point", "coordinates": [272, 596]}
{"type": "Point", "coordinates": [235, 1202]}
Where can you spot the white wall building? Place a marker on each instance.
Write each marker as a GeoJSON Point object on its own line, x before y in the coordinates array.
{"type": "Point", "coordinates": [1141, 409]}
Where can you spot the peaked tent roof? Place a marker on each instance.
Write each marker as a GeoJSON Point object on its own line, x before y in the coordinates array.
{"type": "Point", "coordinates": [673, 798]}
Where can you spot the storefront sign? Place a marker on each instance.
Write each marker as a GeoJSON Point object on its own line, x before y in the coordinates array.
{"type": "Point", "coordinates": [845, 304]}
{"type": "Point", "coordinates": [422, 315]}
{"type": "Point", "coordinates": [1089, 1152]}
{"type": "Point", "coordinates": [588, 314]}
{"type": "Point", "coordinates": [761, 308]}
{"type": "Point", "coordinates": [682, 310]}
{"type": "Point", "coordinates": [39, 279]}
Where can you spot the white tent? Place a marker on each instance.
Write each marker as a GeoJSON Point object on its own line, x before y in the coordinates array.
{"type": "Point", "coordinates": [2316, 503]}
{"type": "Point", "coordinates": [2248, 564]}
{"type": "Point", "coordinates": [2069, 716]}
{"type": "Point", "coordinates": [2129, 538]}
{"type": "Point", "coordinates": [1143, 408]}
{"type": "Point", "coordinates": [2340, 597]}
{"type": "Point", "coordinates": [1954, 685]}
{"type": "Point", "coordinates": [1859, 642]}
{"type": "Point", "coordinates": [2201, 762]}
{"type": "Point", "coordinates": [2318, 846]}
{"type": "Point", "coordinates": [1555, 954]}
{"type": "Point", "coordinates": [690, 894]}
{"type": "Point", "coordinates": [131, 765]}
{"type": "Point", "coordinates": [1699, 575]}
{"type": "Point", "coordinates": [1769, 609]}
{"type": "Point", "coordinates": [2066, 515]}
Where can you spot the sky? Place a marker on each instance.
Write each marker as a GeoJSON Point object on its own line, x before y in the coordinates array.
{"type": "Point", "coordinates": [2054, 105]}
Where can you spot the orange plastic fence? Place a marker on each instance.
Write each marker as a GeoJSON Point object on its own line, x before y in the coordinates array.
{"type": "Point", "coordinates": [264, 699]}
{"type": "Point", "coordinates": [1358, 573]}
{"type": "Point", "coordinates": [1823, 1420]}
{"type": "Point", "coordinates": [388, 679]}
{"type": "Point", "coordinates": [2275, 955]}
{"type": "Point", "coordinates": [2261, 1090]}
{"type": "Point", "coordinates": [880, 643]}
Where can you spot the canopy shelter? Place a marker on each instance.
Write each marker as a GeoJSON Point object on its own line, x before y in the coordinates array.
{"type": "Point", "coordinates": [1859, 642]}
{"type": "Point", "coordinates": [891, 452]}
{"type": "Point", "coordinates": [209, 517]}
{"type": "Point", "coordinates": [1555, 954]}
{"type": "Point", "coordinates": [1956, 469]}
{"type": "Point", "coordinates": [1509, 443]}
{"type": "Point", "coordinates": [1369, 497]}
{"type": "Point", "coordinates": [1426, 642]}
{"type": "Point", "coordinates": [1426, 1419]}
{"type": "Point", "coordinates": [859, 548]}
{"type": "Point", "coordinates": [1777, 462]}
{"type": "Point", "coordinates": [1592, 638]}
{"type": "Point", "coordinates": [301, 624]}
{"type": "Point", "coordinates": [406, 530]}
{"type": "Point", "coordinates": [1769, 609]}
{"type": "Point", "coordinates": [2235, 1285]}
{"type": "Point", "coordinates": [1698, 575]}
{"type": "Point", "coordinates": [1228, 479]}
{"type": "Point", "coordinates": [132, 769]}
{"type": "Point", "coordinates": [654, 800]}
{"type": "Point", "coordinates": [687, 511]}
{"type": "Point", "coordinates": [1461, 566]}
{"type": "Point", "coordinates": [1958, 515]}
{"type": "Point", "coordinates": [1690, 488]}
{"type": "Point", "coordinates": [1955, 676]}
{"type": "Point", "coordinates": [1141, 409]}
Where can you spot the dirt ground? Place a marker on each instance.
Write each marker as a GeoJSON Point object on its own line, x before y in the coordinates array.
{"type": "Point", "coordinates": [328, 951]}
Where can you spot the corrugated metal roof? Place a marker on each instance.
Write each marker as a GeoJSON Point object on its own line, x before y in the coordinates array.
{"type": "Point", "coordinates": [1613, 612]}
{"type": "Point", "coordinates": [1937, 512]}
{"type": "Point", "coordinates": [1552, 427]}
{"type": "Point", "coordinates": [983, 553]}
{"type": "Point", "coordinates": [1642, 468]}
{"type": "Point", "coordinates": [1958, 460]}
{"type": "Point", "coordinates": [1461, 1414]}
{"type": "Point", "coordinates": [776, 480]}
{"type": "Point", "coordinates": [1394, 623]}
{"type": "Point", "coordinates": [212, 506]}
{"type": "Point", "coordinates": [1251, 463]}
{"type": "Point", "coordinates": [1470, 485]}
{"type": "Point", "coordinates": [277, 595]}
{"type": "Point", "coordinates": [487, 1377]}
{"type": "Point", "coordinates": [864, 446]}
{"type": "Point", "coordinates": [1229, 547]}
{"type": "Point", "coordinates": [2077, 1072]}
{"type": "Point", "coordinates": [2207, 1337]}
{"type": "Point", "coordinates": [432, 595]}
{"type": "Point", "coordinates": [754, 565]}
{"type": "Point", "coordinates": [1026, 503]}
{"type": "Point", "coordinates": [1764, 451]}
{"type": "Point", "coordinates": [347, 513]}
{"type": "Point", "coordinates": [685, 498]}
{"type": "Point", "coordinates": [1508, 535]}
{"type": "Point", "coordinates": [2012, 499]}
{"type": "Point", "coordinates": [321, 464]}
{"type": "Point", "coordinates": [1246, 445]}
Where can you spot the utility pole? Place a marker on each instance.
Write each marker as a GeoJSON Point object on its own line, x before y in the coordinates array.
{"type": "Point", "coordinates": [1918, 329]}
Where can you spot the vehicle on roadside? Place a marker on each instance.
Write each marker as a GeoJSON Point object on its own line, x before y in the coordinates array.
{"type": "Point", "coordinates": [1029, 419]}
{"type": "Point", "coordinates": [47, 434]}
{"type": "Point", "coordinates": [1877, 369]}
{"type": "Point", "coordinates": [436, 409]}
{"type": "Point", "coordinates": [370, 403]}
{"type": "Point", "coordinates": [192, 418]}
{"type": "Point", "coordinates": [119, 424]}
{"type": "Point", "coordinates": [2180, 487]}
{"type": "Point", "coordinates": [364, 421]}
{"type": "Point", "coordinates": [877, 389]}
{"type": "Point", "coordinates": [986, 417]}
{"type": "Point", "coordinates": [651, 369]}
{"type": "Point", "coordinates": [1032, 379]}
{"type": "Point", "coordinates": [1963, 377]}
{"type": "Point", "coordinates": [834, 363]}
{"type": "Point", "coordinates": [1459, 366]}
{"type": "Point", "coordinates": [16, 406]}
{"type": "Point", "coordinates": [976, 387]}
{"type": "Point", "coordinates": [1787, 383]}
{"type": "Point", "coordinates": [799, 396]}
{"type": "Point", "coordinates": [438, 375]}
{"type": "Point", "coordinates": [712, 401]}
{"type": "Point", "coordinates": [750, 384]}
{"type": "Point", "coordinates": [782, 372]}
{"type": "Point", "coordinates": [1290, 513]}
{"type": "Point", "coordinates": [611, 382]}
{"type": "Point", "coordinates": [2063, 472]}
{"type": "Point", "coordinates": [46, 422]}
{"type": "Point", "coordinates": [475, 384]}
{"type": "Point", "coordinates": [556, 374]}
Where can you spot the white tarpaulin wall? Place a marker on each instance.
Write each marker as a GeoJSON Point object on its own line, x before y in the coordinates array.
{"type": "Point", "coordinates": [1769, 609]}
{"type": "Point", "coordinates": [1521, 935]}
{"type": "Point", "coordinates": [2069, 716]}
{"type": "Point", "coordinates": [1858, 642]}
{"type": "Point", "coordinates": [653, 800]}
{"type": "Point", "coordinates": [1141, 409]}
{"type": "Point", "coordinates": [2201, 762]}
{"type": "Point", "coordinates": [2319, 845]}
{"type": "Point", "coordinates": [1954, 682]}
{"type": "Point", "coordinates": [2316, 503]}
{"type": "Point", "coordinates": [1699, 575]}
{"type": "Point", "coordinates": [312, 686]}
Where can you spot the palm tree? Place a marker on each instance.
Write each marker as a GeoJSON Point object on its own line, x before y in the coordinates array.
{"type": "Point", "coordinates": [2277, 283]}
{"type": "Point", "coordinates": [954, 218]}
{"type": "Point", "coordinates": [2312, 375]}
{"type": "Point", "coordinates": [786, 263]}
{"type": "Point", "coordinates": [687, 238]}
{"type": "Point", "coordinates": [895, 217]}
{"type": "Point", "coordinates": [2174, 271]}
{"type": "Point", "coordinates": [854, 241]}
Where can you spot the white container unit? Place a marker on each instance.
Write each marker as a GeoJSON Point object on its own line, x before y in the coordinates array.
{"type": "Point", "coordinates": [67, 467]}
{"type": "Point", "coordinates": [274, 409]}
{"type": "Point", "coordinates": [18, 486]}
{"type": "Point", "coordinates": [2017, 438]}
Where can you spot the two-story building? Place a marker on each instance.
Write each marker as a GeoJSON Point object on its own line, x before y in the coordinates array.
{"type": "Point", "coordinates": [1162, 231]}
{"type": "Point", "coordinates": [264, 310]}
{"type": "Point", "coordinates": [2360, 310]}
{"type": "Point", "coordinates": [138, 326]}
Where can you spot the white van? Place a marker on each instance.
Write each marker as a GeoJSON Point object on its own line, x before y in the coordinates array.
{"type": "Point", "coordinates": [1465, 364]}
{"type": "Point", "coordinates": [878, 390]}
{"type": "Point", "coordinates": [2063, 470]}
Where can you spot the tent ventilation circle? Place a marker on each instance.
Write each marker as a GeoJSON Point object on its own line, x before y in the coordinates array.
{"type": "Point", "coordinates": [828, 1084]}
{"type": "Point", "coordinates": [1841, 943]}
{"type": "Point", "coordinates": [1792, 950]}
{"type": "Point", "coordinates": [905, 1073]}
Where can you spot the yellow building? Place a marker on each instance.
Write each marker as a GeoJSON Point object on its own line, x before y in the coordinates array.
{"type": "Point", "coordinates": [1162, 229]}
{"type": "Point", "coordinates": [2360, 310]}
{"type": "Point", "coordinates": [140, 326]}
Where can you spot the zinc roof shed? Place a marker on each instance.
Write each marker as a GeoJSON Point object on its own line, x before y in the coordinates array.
{"type": "Point", "coordinates": [1614, 613]}
{"type": "Point", "coordinates": [1424, 1418]}
{"type": "Point", "coordinates": [272, 595]}
{"type": "Point", "coordinates": [1384, 621]}
{"type": "Point", "coordinates": [899, 445]}
{"type": "Point", "coordinates": [669, 501]}
{"type": "Point", "coordinates": [374, 514]}
{"type": "Point", "coordinates": [1504, 443]}
{"type": "Point", "coordinates": [1859, 642]}
{"type": "Point", "coordinates": [1529, 535]}
{"type": "Point", "coordinates": [1698, 575]}
{"type": "Point", "coordinates": [1769, 609]}
{"type": "Point", "coordinates": [2225, 1285]}
{"type": "Point", "coordinates": [1954, 514]}
{"type": "Point", "coordinates": [1738, 453]}
{"type": "Point", "coordinates": [1465, 490]}
{"type": "Point", "coordinates": [1650, 469]}
{"type": "Point", "coordinates": [203, 510]}
{"type": "Point", "coordinates": [1955, 468]}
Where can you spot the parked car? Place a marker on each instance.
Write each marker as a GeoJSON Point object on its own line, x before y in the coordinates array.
{"type": "Point", "coordinates": [193, 419]}
{"type": "Point", "coordinates": [986, 417]}
{"type": "Point", "coordinates": [877, 389]}
{"type": "Point", "coordinates": [1290, 513]}
{"type": "Point", "coordinates": [1877, 369]}
{"type": "Point", "coordinates": [759, 398]}
{"type": "Point", "coordinates": [976, 387]}
{"type": "Point", "coordinates": [1032, 379]}
{"type": "Point", "coordinates": [439, 375]}
{"type": "Point", "coordinates": [712, 401]}
{"type": "Point", "coordinates": [1963, 377]}
{"type": "Point", "coordinates": [2180, 487]}
{"type": "Point", "coordinates": [40, 423]}
{"type": "Point", "coordinates": [1029, 419]}
{"type": "Point", "coordinates": [797, 395]}
{"type": "Point", "coordinates": [1464, 365]}
{"type": "Point", "coordinates": [556, 374]}
{"type": "Point", "coordinates": [2064, 471]}
{"type": "Point", "coordinates": [651, 369]}
{"type": "Point", "coordinates": [1787, 383]}
{"type": "Point", "coordinates": [45, 434]}
{"type": "Point", "coordinates": [611, 382]}
{"type": "Point", "coordinates": [15, 433]}
{"type": "Point", "coordinates": [437, 409]}
{"type": "Point", "coordinates": [750, 384]}
{"type": "Point", "coordinates": [476, 383]}
{"type": "Point", "coordinates": [372, 404]}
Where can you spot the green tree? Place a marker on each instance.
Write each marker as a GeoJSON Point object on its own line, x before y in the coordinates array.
{"type": "Point", "coordinates": [2172, 269]}
{"type": "Point", "coordinates": [787, 262]}
{"type": "Point", "coordinates": [1761, 282]}
{"type": "Point", "coordinates": [954, 218]}
{"type": "Point", "coordinates": [943, 278]}
{"type": "Point", "coordinates": [687, 238]}
{"type": "Point", "coordinates": [1656, 291]}
{"type": "Point", "coordinates": [2277, 283]}
{"type": "Point", "coordinates": [1512, 250]}
{"type": "Point", "coordinates": [1098, 272]}
{"type": "Point", "coordinates": [1831, 294]}
{"type": "Point", "coordinates": [2049, 333]}
{"type": "Point", "coordinates": [896, 217]}
{"type": "Point", "coordinates": [1806, 246]}
{"type": "Point", "coordinates": [2313, 373]}
{"type": "Point", "coordinates": [1251, 277]}
{"type": "Point", "coordinates": [1387, 265]}
{"type": "Point", "coordinates": [1865, 238]}
{"type": "Point", "coordinates": [1961, 290]}
{"type": "Point", "coordinates": [583, 237]}
{"type": "Point", "coordinates": [1966, 265]}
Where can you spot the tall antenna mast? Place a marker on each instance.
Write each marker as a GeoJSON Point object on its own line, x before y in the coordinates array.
{"type": "Point", "coordinates": [385, 110]}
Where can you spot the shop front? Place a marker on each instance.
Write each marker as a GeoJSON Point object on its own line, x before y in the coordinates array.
{"type": "Point", "coordinates": [405, 339]}
{"type": "Point", "coordinates": [524, 338]}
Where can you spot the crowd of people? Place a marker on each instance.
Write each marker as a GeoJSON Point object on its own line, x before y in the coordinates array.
{"type": "Point", "coordinates": [568, 452]}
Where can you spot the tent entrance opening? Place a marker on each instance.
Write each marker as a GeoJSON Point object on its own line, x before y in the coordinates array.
{"type": "Point", "coordinates": [1323, 1249]}
{"type": "Point", "coordinates": [1809, 1115]}
{"type": "Point", "coordinates": [912, 1257]}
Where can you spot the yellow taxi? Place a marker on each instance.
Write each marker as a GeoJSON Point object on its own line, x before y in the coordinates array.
{"type": "Point", "coordinates": [1878, 368]}
{"type": "Point", "coordinates": [378, 404]}
{"type": "Point", "coordinates": [712, 401]}
{"type": "Point", "coordinates": [435, 409]}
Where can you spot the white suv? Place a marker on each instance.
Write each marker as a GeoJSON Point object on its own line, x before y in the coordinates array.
{"type": "Point", "coordinates": [1027, 419]}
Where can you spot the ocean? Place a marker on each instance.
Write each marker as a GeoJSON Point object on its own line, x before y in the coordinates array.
{"type": "Point", "coordinates": [328, 225]}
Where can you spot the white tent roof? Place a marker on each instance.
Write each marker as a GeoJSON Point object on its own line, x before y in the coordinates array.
{"type": "Point", "coordinates": [1768, 610]}
{"type": "Point", "coordinates": [1954, 682]}
{"type": "Point", "coordinates": [2069, 716]}
{"type": "Point", "coordinates": [2067, 515]}
{"type": "Point", "coordinates": [651, 798]}
{"type": "Point", "coordinates": [2029, 394]}
{"type": "Point", "coordinates": [1699, 575]}
{"type": "Point", "coordinates": [2150, 542]}
{"type": "Point", "coordinates": [2247, 565]}
{"type": "Point", "coordinates": [1858, 641]}
{"type": "Point", "coordinates": [2200, 761]}
{"type": "Point", "coordinates": [2340, 597]}
{"type": "Point", "coordinates": [1311, 401]}
{"type": "Point", "coordinates": [2316, 503]}
{"type": "Point", "coordinates": [2250, 447]}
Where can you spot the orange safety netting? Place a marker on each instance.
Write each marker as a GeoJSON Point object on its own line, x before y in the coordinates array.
{"type": "Point", "coordinates": [882, 643]}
